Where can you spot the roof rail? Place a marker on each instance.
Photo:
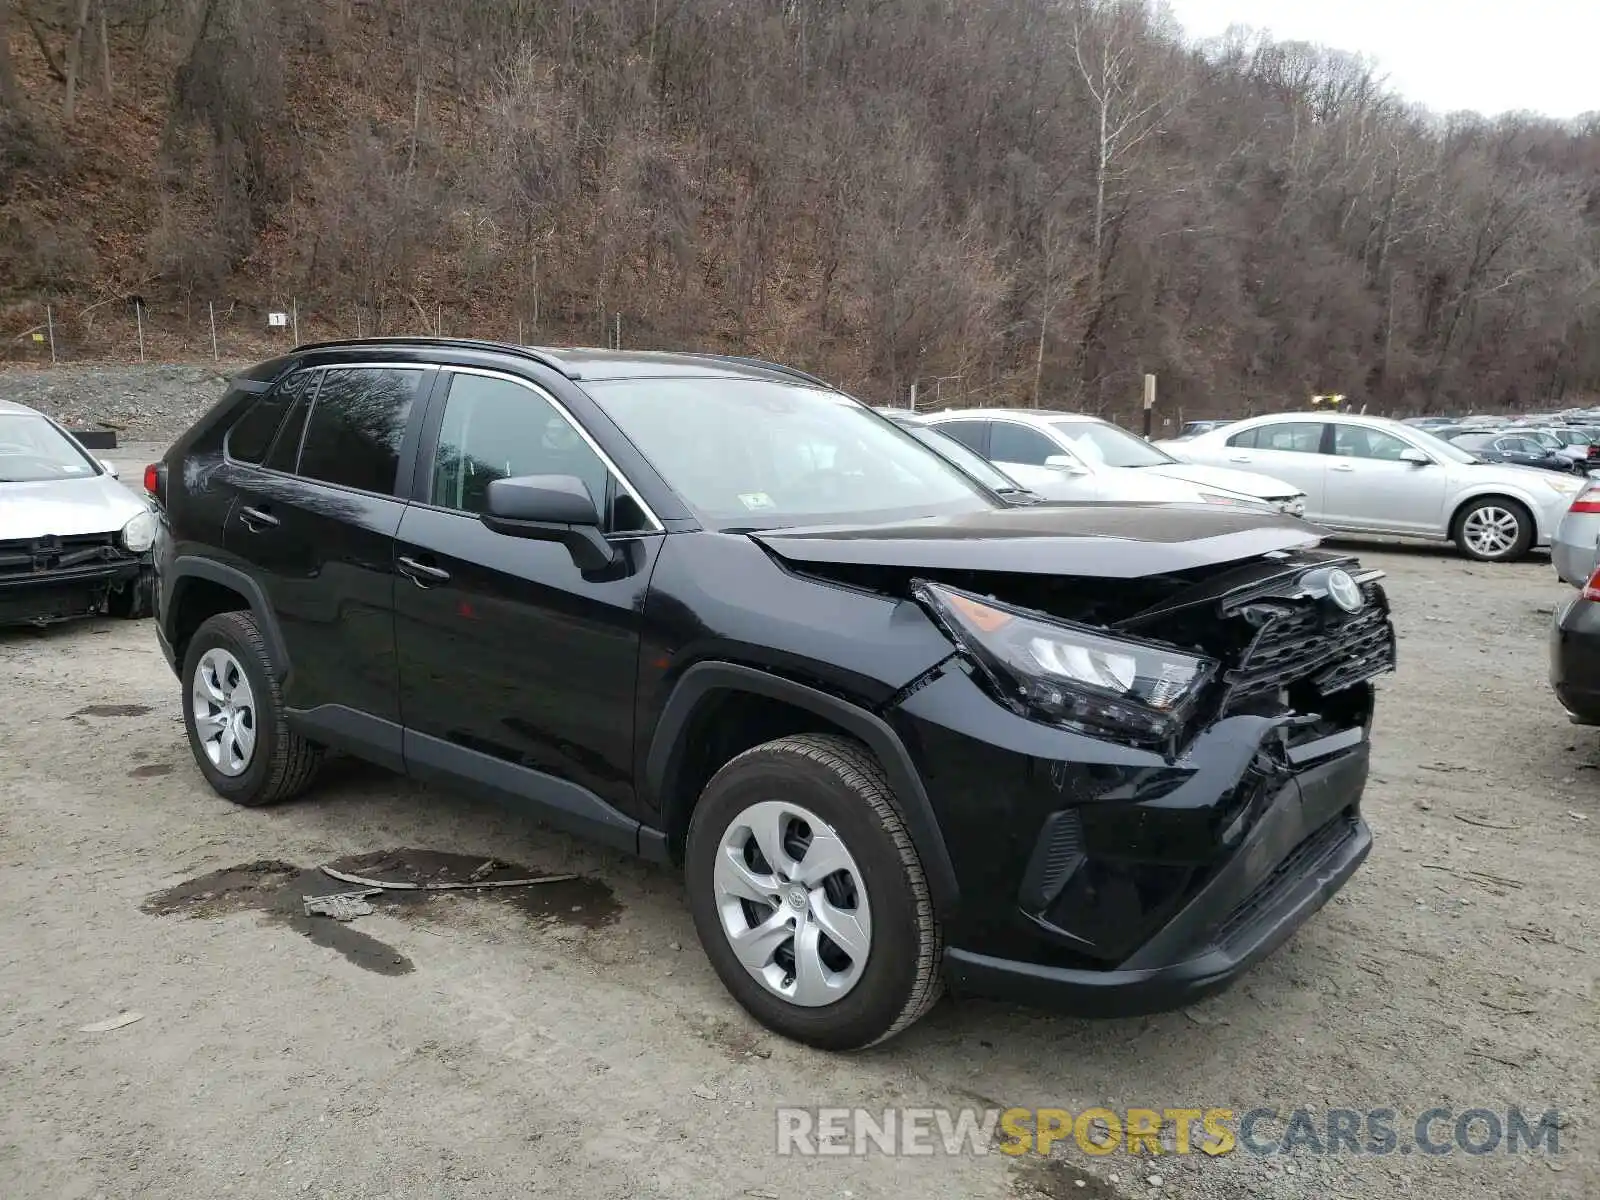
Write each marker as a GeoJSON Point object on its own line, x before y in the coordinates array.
{"type": "Point", "coordinates": [780, 368]}
{"type": "Point", "coordinates": [539, 356]}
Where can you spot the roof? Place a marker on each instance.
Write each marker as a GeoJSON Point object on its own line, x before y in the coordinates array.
{"type": "Point", "coordinates": [12, 408]}
{"type": "Point", "coordinates": [1034, 414]}
{"type": "Point", "coordinates": [594, 364]}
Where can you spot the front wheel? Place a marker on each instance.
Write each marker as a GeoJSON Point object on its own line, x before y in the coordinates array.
{"type": "Point", "coordinates": [808, 895]}
{"type": "Point", "coordinates": [1494, 530]}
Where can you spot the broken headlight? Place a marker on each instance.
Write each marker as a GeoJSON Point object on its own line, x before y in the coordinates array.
{"type": "Point", "coordinates": [1070, 674]}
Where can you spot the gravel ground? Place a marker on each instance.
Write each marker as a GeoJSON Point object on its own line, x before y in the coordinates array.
{"type": "Point", "coordinates": [142, 403]}
{"type": "Point", "coordinates": [577, 1042]}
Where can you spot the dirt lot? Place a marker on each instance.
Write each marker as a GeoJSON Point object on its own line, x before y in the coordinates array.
{"type": "Point", "coordinates": [578, 1043]}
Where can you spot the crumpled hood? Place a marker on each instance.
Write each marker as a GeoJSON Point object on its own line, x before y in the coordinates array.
{"type": "Point", "coordinates": [1251, 483]}
{"type": "Point", "coordinates": [66, 507]}
{"type": "Point", "coordinates": [1107, 541]}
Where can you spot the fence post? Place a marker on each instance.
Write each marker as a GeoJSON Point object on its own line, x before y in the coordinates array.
{"type": "Point", "coordinates": [619, 331]}
{"type": "Point", "coordinates": [50, 324]}
{"type": "Point", "coordinates": [211, 308]}
{"type": "Point", "coordinates": [294, 310]}
{"type": "Point", "coordinates": [138, 315]}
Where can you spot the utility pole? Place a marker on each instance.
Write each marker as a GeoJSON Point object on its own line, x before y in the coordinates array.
{"type": "Point", "coordinates": [1149, 402]}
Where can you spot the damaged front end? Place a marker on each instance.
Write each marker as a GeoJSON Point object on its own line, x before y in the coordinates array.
{"type": "Point", "coordinates": [57, 578]}
{"type": "Point", "coordinates": [1141, 806]}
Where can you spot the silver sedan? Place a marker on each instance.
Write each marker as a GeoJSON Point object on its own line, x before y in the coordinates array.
{"type": "Point", "coordinates": [1370, 475]}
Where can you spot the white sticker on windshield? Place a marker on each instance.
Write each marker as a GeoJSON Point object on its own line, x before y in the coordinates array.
{"type": "Point", "coordinates": [756, 500]}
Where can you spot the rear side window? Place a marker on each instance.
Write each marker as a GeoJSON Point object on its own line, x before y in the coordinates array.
{"type": "Point", "coordinates": [251, 435]}
{"type": "Point", "coordinates": [1019, 444]}
{"type": "Point", "coordinates": [1296, 437]}
{"type": "Point", "coordinates": [357, 424]}
{"type": "Point", "coordinates": [974, 435]}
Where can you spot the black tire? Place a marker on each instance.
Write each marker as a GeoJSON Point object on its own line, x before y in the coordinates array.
{"type": "Point", "coordinates": [136, 599]}
{"type": "Point", "coordinates": [841, 782]}
{"type": "Point", "coordinates": [283, 763]}
{"type": "Point", "coordinates": [1519, 546]}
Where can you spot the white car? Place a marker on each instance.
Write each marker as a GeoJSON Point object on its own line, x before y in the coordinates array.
{"type": "Point", "coordinates": [1373, 475]}
{"type": "Point", "coordinates": [1073, 457]}
{"type": "Point", "coordinates": [73, 541]}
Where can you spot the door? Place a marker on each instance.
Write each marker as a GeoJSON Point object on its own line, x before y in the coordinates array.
{"type": "Point", "coordinates": [1370, 487]}
{"type": "Point", "coordinates": [517, 669]}
{"type": "Point", "coordinates": [1287, 450]}
{"type": "Point", "coordinates": [314, 524]}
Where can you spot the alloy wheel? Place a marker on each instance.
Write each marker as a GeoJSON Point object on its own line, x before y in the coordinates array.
{"type": "Point", "coordinates": [792, 903]}
{"type": "Point", "coordinates": [224, 711]}
{"type": "Point", "coordinates": [1490, 531]}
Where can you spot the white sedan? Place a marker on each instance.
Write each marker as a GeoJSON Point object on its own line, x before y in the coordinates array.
{"type": "Point", "coordinates": [1070, 456]}
{"type": "Point", "coordinates": [1372, 475]}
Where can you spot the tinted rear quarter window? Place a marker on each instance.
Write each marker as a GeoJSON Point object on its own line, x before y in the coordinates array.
{"type": "Point", "coordinates": [251, 436]}
{"type": "Point", "coordinates": [357, 424]}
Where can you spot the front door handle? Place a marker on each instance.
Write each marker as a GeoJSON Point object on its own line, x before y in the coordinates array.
{"type": "Point", "coordinates": [1238, 458]}
{"type": "Point", "coordinates": [422, 574]}
{"type": "Point", "coordinates": [257, 519]}
{"type": "Point", "coordinates": [1341, 467]}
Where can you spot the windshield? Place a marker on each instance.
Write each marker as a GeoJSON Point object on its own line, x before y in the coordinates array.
{"type": "Point", "coordinates": [973, 463]}
{"type": "Point", "coordinates": [1102, 442]}
{"type": "Point", "coordinates": [1434, 444]}
{"type": "Point", "coordinates": [753, 454]}
{"type": "Point", "coordinates": [32, 450]}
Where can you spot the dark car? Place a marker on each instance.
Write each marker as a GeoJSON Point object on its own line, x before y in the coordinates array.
{"type": "Point", "coordinates": [894, 731]}
{"type": "Point", "coordinates": [1518, 449]}
{"type": "Point", "coordinates": [1575, 654]}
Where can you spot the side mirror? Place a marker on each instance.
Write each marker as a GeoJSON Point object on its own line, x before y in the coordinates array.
{"type": "Point", "coordinates": [1062, 462]}
{"type": "Point", "coordinates": [1415, 457]}
{"type": "Point", "coordinates": [550, 508]}
{"type": "Point", "coordinates": [109, 466]}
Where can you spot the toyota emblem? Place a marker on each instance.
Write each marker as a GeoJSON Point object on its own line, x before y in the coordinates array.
{"type": "Point", "coordinates": [1344, 591]}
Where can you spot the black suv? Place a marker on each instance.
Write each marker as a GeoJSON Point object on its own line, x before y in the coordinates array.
{"type": "Point", "coordinates": [897, 732]}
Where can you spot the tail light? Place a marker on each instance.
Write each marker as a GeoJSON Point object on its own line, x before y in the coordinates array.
{"type": "Point", "coordinates": [155, 482]}
{"type": "Point", "coordinates": [1591, 590]}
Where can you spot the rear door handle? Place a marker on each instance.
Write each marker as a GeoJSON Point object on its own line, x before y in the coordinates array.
{"type": "Point", "coordinates": [1238, 458]}
{"type": "Point", "coordinates": [1341, 467]}
{"type": "Point", "coordinates": [422, 574]}
{"type": "Point", "coordinates": [256, 519]}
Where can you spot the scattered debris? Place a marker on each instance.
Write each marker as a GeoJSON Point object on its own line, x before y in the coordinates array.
{"type": "Point", "coordinates": [1483, 877]}
{"type": "Point", "coordinates": [1577, 816]}
{"type": "Point", "coordinates": [384, 885]}
{"type": "Point", "coordinates": [341, 906]}
{"type": "Point", "coordinates": [703, 1092]}
{"type": "Point", "coordinates": [1480, 822]}
{"type": "Point", "coordinates": [110, 1023]}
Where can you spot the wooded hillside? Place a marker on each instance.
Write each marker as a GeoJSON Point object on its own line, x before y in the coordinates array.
{"type": "Point", "coordinates": [994, 200]}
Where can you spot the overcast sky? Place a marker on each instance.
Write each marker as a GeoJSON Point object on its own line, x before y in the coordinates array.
{"type": "Point", "coordinates": [1488, 55]}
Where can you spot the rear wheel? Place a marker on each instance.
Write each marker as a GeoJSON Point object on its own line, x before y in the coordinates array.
{"type": "Point", "coordinates": [233, 713]}
{"type": "Point", "coordinates": [808, 894]}
{"type": "Point", "coordinates": [1494, 529]}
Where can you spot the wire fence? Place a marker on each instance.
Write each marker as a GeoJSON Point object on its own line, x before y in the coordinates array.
{"type": "Point", "coordinates": [128, 330]}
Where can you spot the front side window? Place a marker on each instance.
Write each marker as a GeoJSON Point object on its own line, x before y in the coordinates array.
{"type": "Point", "coordinates": [357, 423]}
{"type": "Point", "coordinates": [32, 451]}
{"type": "Point", "coordinates": [1356, 441]}
{"type": "Point", "coordinates": [1297, 437]}
{"type": "Point", "coordinates": [760, 454]}
{"type": "Point", "coordinates": [1013, 443]}
{"type": "Point", "coordinates": [1103, 442]}
{"type": "Point", "coordinates": [496, 429]}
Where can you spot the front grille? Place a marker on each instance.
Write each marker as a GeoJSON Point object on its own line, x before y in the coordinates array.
{"type": "Point", "coordinates": [40, 555]}
{"type": "Point", "coordinates": [1302, 640]}
{"type": "Point", "coordinates": [1300, 861]}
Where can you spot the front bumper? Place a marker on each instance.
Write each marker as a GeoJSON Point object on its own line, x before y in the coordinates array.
{"type": "Point", "coordinates": [60, 595]}
{"type": "Point", "coordinates": [1575, 660]}
{"type": "Point", "coordinates": [1102, 880]}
